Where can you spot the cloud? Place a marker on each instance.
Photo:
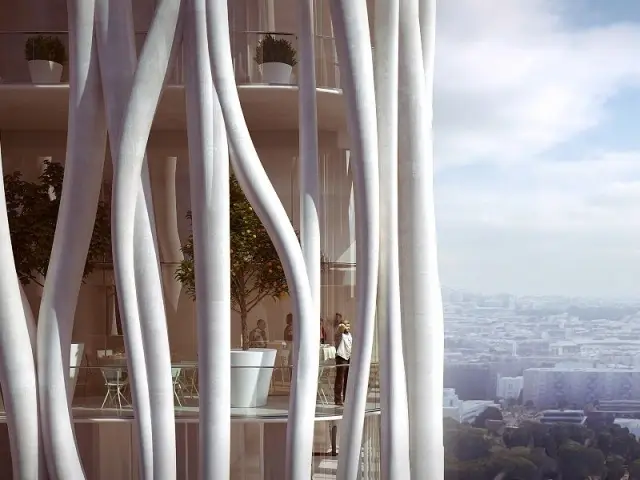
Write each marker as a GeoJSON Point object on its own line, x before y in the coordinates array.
{"type": "Point", "coordinates": [519, 209]}
{"type": "Point", "coordinates": [596, 193]}
{"type": "Point", "coordinates": [514, 81]}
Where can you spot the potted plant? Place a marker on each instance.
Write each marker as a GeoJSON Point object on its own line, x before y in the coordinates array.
{"type": "Point", "coordinates": [32, 211]}
{"type": "Point", "coordinates": [46, 55]}
{"type": "Point", "coordinates": [276, 58]}
{"type": "Point", "coordinates": [256, 274]}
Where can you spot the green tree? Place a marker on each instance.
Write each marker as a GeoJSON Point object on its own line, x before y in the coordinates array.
{"type": "Point", "coordinates": [513, 464]}
{"type": "Point", "coordinates": [256, 270]}
{"type": "Point", "coordinates": [518, 437]}
{"type": "Point", "coordinates": [467, 443]}
{"type": "Point", "coordinates": [489, 413]}
{"type": "Point", "coordinates": [32, 210]}
{"type": "Point", "coordinates": [634, 470]}
{"type": "Point", "coordinates": [577, 462]}
{"type": "Point", "coordinates": [615, 467]}
{"type": "Point", "coordinates": [469, 470]}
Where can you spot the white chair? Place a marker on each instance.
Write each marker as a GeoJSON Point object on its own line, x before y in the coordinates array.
{"type": "Point", "coordinates": [177, 384]}
{"type": "Point", "coordinates": [103, 353]}
{"type": "Point", "coordinates": [190, 376]}
{"type": "Point", "coordinates": [282, 367]}
{"type": "Point", "coordinates": [324, 382]}
{"type": "Point", "coordinates": [115, 379]}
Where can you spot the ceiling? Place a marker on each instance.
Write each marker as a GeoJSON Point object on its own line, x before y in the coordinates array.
{"type": "Point", "coordinates": [266, 107]}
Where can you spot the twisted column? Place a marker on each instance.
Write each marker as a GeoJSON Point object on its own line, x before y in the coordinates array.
{"type": "Point", "coordinates": [422, 316]}
{"type": "Point", "coordinates": [209, 177]}
{"type": "Point", "coordinates": [118, 59]}
{"type": "Point", "coordinates": [137, 270]}
{"type": "Point", "coordinates": [393, 390]}
{"type": "Point", "coordinates": [17, 363]}
{"type": "Point", "coordinates": [262, 196]}
{"type": "Point", "coordinates": [353, 45]}
{"type": "Point", "coordinates": [86, 142]}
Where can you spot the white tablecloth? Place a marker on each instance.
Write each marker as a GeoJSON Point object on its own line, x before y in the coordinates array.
{"type": "Point", "coordinates": [327, 353]}
{"type": "Point", "coordinates": [277, 344]}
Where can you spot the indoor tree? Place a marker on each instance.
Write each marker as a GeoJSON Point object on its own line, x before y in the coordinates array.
{"type": "Point", "coordinates": [32, 210]}
{"type": "Point", "coordinates": [256, 270]}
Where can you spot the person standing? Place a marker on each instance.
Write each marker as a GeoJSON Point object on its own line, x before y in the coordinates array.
{"type": "Point", "coordinates": [288, 330]}
{"type": "Point", "coordinates": [343, 356]}
{"type": "Point", "coordinates": [323, 332]}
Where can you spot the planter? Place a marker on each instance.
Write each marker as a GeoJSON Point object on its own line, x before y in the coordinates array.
{"type": "Point", "coordinates": [276, 72]}
{"type": "Point", "coordinates": [250, 383]}
{"type": "Point", "coordinates": [45, 71]}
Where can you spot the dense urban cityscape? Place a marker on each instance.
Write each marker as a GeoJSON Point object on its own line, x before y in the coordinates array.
{"type": "Point", "coordinates": [553, 348]}
{"type": "Point", "coordinates": [518, 364]}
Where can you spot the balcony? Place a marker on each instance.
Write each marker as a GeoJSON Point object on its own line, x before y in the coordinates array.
{"type": "Point", "coordinates": [267, 106]}
{"type": "Point", "coordinates": [104, 426]}
{"type": "Point", "coordinates": [14, 68]}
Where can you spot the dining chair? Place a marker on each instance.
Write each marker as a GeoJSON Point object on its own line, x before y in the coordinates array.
{"type": "Point", "coordinates": [282, 367]}
{"type": "Point", "coordinates": [324, 382]}
{"type": "Point", "coordinates": [115, 379]}
{"type": "Point", "coordinates": [178, 387]}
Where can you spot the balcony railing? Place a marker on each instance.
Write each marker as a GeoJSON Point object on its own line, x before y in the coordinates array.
{"type": "Point", "coordinates": [103, 391]}
{"type": "Point", "coordinates": [14, 67]}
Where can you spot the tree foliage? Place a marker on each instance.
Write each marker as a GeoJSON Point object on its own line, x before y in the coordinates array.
{"type": "Point", "coordinates": [256, 270]}
{"type": "Point", "coordinates": [535, 451]}
{"type": "Point", "coordinates": [32, 210]}
{"type": "Point", "coordinates": [489, 413]}
{"type": "Point", "coordinates": [634, 470]}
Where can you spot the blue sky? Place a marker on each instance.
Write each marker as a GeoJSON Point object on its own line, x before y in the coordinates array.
{"type": "Point", "coordinates": [537, 144]}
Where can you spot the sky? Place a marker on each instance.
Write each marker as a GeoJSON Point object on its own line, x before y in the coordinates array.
{"type": "Point", "coordinates": [537, 146]}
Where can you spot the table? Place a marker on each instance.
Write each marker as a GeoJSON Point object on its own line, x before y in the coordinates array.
{"type": "Point", "coordinates": [277, 344]}
{"type": "Point", "coordinates": [327, 353]}
{"type": "Point", "coordinates": [326, 360]}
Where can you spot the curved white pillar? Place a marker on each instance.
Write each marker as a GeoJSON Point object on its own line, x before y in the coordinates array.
{"type": "Point", "coordinates": [78, 206]}
{"type": "Point", "coordinates": [17, 363]}
{"type": "Point", "coordinates": [265, 201]}
{"type": "Point", "coordinates": [30, 318]}
{"type": "Point", "coordinates": [117, 52]}
{"type": "Point", "coordinates": [393, 390]}
{"type": "Point", "coordinates": [137, 269]}
{"type": "Point", "coordinates": [422, 317]}
{"type": "Point", "coordinates": [163, 185]}
{"type": "Point", "coordinates": [353, 44]}
{"type": "Point", "coordinates": [209, 178]}
{"type": "Point", "coordinates": [308, 134]}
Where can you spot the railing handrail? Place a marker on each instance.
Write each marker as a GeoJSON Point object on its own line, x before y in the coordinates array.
{"type": "Point", "coordinates": [144, 32]}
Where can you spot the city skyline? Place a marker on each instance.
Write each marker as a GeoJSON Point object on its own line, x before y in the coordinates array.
{"type": "Point", "coordinates": [537, 158]}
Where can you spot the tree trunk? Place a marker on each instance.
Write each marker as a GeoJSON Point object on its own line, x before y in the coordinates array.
{"type": "Point", "coordinates": [244, 327]}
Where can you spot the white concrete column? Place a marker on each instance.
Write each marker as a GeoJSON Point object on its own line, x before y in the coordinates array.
{"type": "Point", "coordinates": [354, 53]}
{"type": "Point", "coordinates": [17, 365]}
{"type": "Point", "coordinates": [163, 187]}
{"type": "Point", "coordinates": [422, 312]}
{"type": "Point", "coordinates": [78, 205]}
{"type": "Point", "coordinates": [180, 309]}
{"type": "Point", "coordinates": [264, 199]}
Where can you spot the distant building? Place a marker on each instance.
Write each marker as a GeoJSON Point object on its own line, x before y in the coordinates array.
{"type": "Point", "coordinates": [632, 424]}
{"type": "Point", "coordinates": [551, 387]}
{"type": "Point", "coordinates": [460, 410]}
{"type": "Point", "coordinates": [509, 387]}
{"type": "Point", "coordinates": [529, 348]}
{"type": "Point", "coordinates": [471, 381]}
{"type": "Point", "coordinates": [563, 416]}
